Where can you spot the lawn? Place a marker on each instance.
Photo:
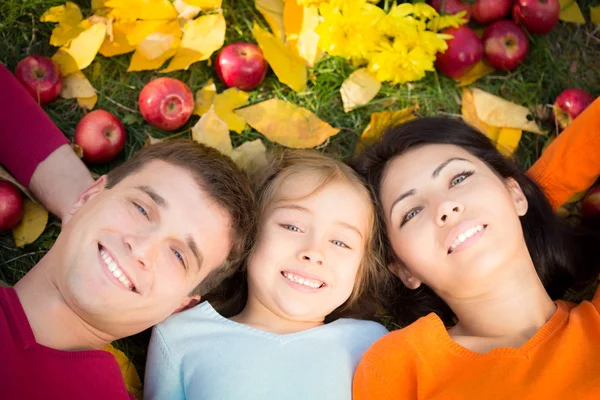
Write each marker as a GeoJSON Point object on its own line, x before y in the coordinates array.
{"type": "Point", "coordinates": [567, 57]}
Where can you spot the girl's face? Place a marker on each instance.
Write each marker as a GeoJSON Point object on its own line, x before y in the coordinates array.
{"type": "Point", "coordinates": [451, 220]}
{"type": "Point", "coordinates": [309, 248]}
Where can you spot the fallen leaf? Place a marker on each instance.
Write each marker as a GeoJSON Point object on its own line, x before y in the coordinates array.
{"type": "Point", "coordinates": [140, 63]}
{"type": "Point", "coordinates": [4, 284]}
{"type": "Point", "coordinates": [496, 111]}
{"type": "Point", "coordinates": [155, 45]}
{"type": "Point", "coordinates": [570, 12]}
{"type": "Point", "coordinates": [201, 38]}
{"type": "Point", "coordinates": [119, 43]}
{"type": "Point", "coordinates": [77, 149]}
{"type": "Point", "coordinates": [76, 85]}
{"type": "Point", "coordinates": [4, 175]}
{"type": "Point", "coordinates": [205, 4]}
{"type": "Point", "coordinates": [287, 124]}
{"type": "Point", "coordinates": [358, 89]}
{"type": "Point", "coordinates": [595, 14]}
{"type": "Point", "coordinates": [226, 102]}
{"type": "Point", "coordinates": [250, 155]}
{"type": "Point", "coordinates": [87, 103]}
{"type": "Point", "coordinates": [576, 197]}
{"type": "Point", "coordinates": [33, 223]}
{"type": "Point", "coordinates": [128, 371]}
{"type": "Point", "coordinates": [185, 10]}
{"type": "Point", "coordinates": [141, 30]}
{"type": "Point", "coordinates": [204, 98]}
{"type": "Point", "coordinates": [63, 34]}
{"type": "Point", "coordinates": [212, 131]}
{"type": "Point", "coordinates": [131, 10]}
{"type": "Point", "coordinates": [151, 140]}
{"type": "Point", "coordinates": [97, 4]}
{"type": "Point", "coordinates": [69, 14]}
{"type": "Point", "coordinates": [478, 71]}
{"type": "Point", "coordinates": [288, 67]}
{"type": "Point", "coordinates": [272, 11]}
{"type": "Point", "coordinates": [508, 140]}
{"type": "Point", "coordinates": [300, 36]}
{"type": "Point", "coordinates": [81, 51]}
{"type": "Point", "coordinates": [380, 121]}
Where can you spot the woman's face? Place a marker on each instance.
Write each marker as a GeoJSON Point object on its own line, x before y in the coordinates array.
{"type": "Point", "coordinates": [452, 222]}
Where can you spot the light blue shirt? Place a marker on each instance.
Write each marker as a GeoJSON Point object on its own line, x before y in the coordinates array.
{"type": "Point", "coordinates": [199, 354]}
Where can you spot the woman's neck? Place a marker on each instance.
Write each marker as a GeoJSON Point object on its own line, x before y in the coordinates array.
{"type": "Point", "coordinates": [259, 316]}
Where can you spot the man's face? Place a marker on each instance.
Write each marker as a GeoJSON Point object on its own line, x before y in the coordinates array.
{"type": "Point", "coordinates": [131, 255]}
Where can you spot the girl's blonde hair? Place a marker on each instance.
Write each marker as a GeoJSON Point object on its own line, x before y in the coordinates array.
{"type": "Point", "coordinates": [290, 164]}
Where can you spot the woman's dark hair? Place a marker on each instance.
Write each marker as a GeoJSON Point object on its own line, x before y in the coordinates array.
{"type": "Point", "coordinates": [564, 256]}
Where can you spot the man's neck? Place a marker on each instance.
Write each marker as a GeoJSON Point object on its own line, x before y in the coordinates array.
{"type": "Point", "coordinates": [53, 322]}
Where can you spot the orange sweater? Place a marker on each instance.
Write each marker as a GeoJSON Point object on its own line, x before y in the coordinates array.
{"type": "Point", "coordinates": [561, 361]}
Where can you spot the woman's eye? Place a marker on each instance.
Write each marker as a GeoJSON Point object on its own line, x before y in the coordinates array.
{"type": "Point", "coordinates": [179, 257]}
{"type": "Point", "coordinates": [291, 227]}
{"type": "Point", "coordinates": [340, 244]}
{"type": "Point", "coordinates": [410, 215]}
{"type": "Point", "coordinates": [141, 210]}
{"type": "Point", "coordinates": [460, 177]}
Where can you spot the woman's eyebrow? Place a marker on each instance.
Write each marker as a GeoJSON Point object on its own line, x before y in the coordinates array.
{"type": "Point", "coordinates": [443, 165]}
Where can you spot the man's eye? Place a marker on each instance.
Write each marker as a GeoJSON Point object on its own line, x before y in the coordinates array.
{"type": "Point", "coordinates": [291, 228]}
{"type": "Point", "coordinates": [410, 215]}
{"type": "Point", "coordinates": [340, 244]}
{"type": "Point", "coordinates": [460, 177]}
{"type": "Point", "coordinates": [141, 210]}
{"type": "Point", "coordinates": [179, 257]}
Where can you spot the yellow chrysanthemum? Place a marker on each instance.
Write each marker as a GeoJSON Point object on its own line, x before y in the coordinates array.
{"type": "Point", "coordinates": [333, 3]}
{"type": "Point", "coordinates": [424, 11]}
{"type": "Point", "coordinates": [397, 64]}
{"type": "Point", "coordinates": [446, 21]}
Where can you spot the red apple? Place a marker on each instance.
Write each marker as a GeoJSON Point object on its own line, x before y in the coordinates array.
{"type": "Point", "coordinates": [101, 136]}
{"type": "Point", "coordinates": [569, 104]}
{"type": "Point", "coordinates": [537, 16]}
{"type": "Point", "coordinates": [590, 207]}
{"type": "Point", "coordinates": [505, 45]}
{"type": "Point", "coordinates": [464, 50]}
{"type": "Point", "coordinates": [486, 11]}
{"type": "Point", "coordinates": [40, 76]}
{"type": "Point", "coordinates": [11, 205]}
{"type": "Point", "coordinates": [241, 65]}
{"type": "Point", "coordinates": [166, 103]}
{"type": "Point", "coordinates": [451, 7]}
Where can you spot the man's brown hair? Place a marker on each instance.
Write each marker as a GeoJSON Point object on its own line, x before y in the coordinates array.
{"type": "Point", "coordinates": [216, 174]}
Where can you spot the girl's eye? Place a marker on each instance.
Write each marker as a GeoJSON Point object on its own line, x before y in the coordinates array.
{"type": "Point", "coordinates": [141, 210]}
{"type": "Point", "coordinates": [291, 228]}
{"type": "Point", "coordinates": [460, 177]}
{"type": "Point", "coordinates": [179, 257]}
{"type": "Point", "coordinates": [340, 244]}
{"type": "Point", "coordinates": [410, 215]}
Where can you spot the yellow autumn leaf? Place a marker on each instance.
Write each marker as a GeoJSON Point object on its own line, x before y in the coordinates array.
{"type": "Point", "coordinates": [478, 71]}
{"type": "Point", "coordinates": [87, 103]}
{"type": "Point", "coordinates": [288, 67]}
{"type": "Point", "coordinates": [64, 34]}
{"type": "Point", "coordinates": [204, 98]}
{"type": "Point", "coordinates": [33, 223]}
{"type": "Point", "coordinates": [76, 85]}
{"type": "Point", "coordinates": [69, 14]}
{"type": "Point", "coordinates": [212, 131]}
{"type": "Point", "coordinates": [380, 121]}
{"type": "Point", "coordinates": [272, 11]}
{"type": "Point", "coordinates": [228, 101]}
{"type": "Point", "coordinates": [131, 10]}
{"type": "Point", "coordinates": [570, 12]}
{"type": "Point", "coordinates": [81, 51]}
{"type": "Point", "coordinates": [358, 89]}
{"type": "Point", "coordinates": [97, 4]}
{"type": "Point", "coordinates": [128, 371]}
{"type": "Point", "coordinates": [151, 140]}
{"type": "Point", "coordinates": [155, 45]}
{"type": "Point", "coordinates": [119, 43]}
{"type": "Point", "coordinates": [300, 36]}
{"type": "Point", "coordinates": [250, 155]}
{"type": "Point", "coordinates": [141, 29]}
{"type": "Point", "coordinates": [595, 14]}
{"type": "Point", "coordinates": [496, 111]}
{"type": "Point", "coordinates": [508, 140]}
{"type": "Point", "coordinates": [185, 10]}
{"type": "Point", "coordinates": [140, 63]}
{"type": "Point", "coordinates": [287, 124]}
{"type": "Point", "coordinates": [202, 37]}
{"type": "Point", "coordinates": [205, 4]}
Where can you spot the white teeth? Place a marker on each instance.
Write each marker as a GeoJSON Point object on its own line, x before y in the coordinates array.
{"type": "Point", "coordinates": [464, 236]}
{"type": "Point", "coordinates": [313, 283]}
{"type": "Point", "coordinates": [114, 269]}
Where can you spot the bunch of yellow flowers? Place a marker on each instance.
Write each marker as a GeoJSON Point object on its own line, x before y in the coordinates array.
{"type": "Point", "coordinates": [398, 46]}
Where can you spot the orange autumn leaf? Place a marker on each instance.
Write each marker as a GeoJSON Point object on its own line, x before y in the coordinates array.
{"type": "Point", "coordinates": [380, 121]}
{"type": "Point", "coordinates": [272, 11]}
{"type": "Point", "coordinates": [478, 71]}
{"type": "Point", "coordinates": [299, 24]}
{"type": "Point", "coordinates": [287, 124]}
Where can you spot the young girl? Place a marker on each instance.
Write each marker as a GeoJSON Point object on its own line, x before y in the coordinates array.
{"type": "Point", "coordinates": [477, 248]}
{"type": "Point", "coordinates": [314, 257]}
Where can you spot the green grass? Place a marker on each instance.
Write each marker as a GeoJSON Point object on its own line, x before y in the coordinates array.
{"type": "Point", "coordinates": [569, 56]}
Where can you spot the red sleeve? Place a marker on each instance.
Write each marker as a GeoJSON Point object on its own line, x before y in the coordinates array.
{"type": "Point", "coordinates": [27, 134]}
{"type": "Point", "coordinates": [571, 163]}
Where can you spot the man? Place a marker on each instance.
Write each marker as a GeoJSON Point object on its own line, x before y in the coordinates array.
{"type": "Point", "coordinates": [142, 242]}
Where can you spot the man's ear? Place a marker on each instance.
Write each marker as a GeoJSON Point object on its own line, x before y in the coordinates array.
{"type": "Point", "coordinates": [188, 303]}
{"type": "Point", "coordinates": [519, 198]}
{"type": "Point", "coordinates": [409, 280]}
{"type": "Point", "coordinates": [92, 191]}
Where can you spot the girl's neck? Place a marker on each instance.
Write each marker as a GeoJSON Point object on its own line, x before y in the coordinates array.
{"type": "Point", "coordinates": [257, 315]}
{"type": "Point", "coordinates": [511, 312]}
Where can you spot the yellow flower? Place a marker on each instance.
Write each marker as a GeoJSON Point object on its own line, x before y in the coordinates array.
{"type": "Point", "coordinates": [333, 3]}
{"type": "Point", "coordinates": [424, 11]}
{"type": "Point", "coordinates": [445, 21]}
{"type": "Point", "coordinates": [398, 64]}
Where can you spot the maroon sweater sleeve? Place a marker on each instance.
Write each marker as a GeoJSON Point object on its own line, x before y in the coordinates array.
{"type": "Point", "coordinates": [27, 134]}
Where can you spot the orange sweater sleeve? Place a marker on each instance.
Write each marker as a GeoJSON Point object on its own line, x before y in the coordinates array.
{"type": "Point", "coordinates": [572, 162]}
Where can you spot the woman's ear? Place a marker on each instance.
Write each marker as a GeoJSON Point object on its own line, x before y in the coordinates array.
{"type": "Point", "coordinates": [88, 194]}
{"type": "Point", "coordinates": [409, 280]}
{"type": "Point", "coordinates": [519, 198]}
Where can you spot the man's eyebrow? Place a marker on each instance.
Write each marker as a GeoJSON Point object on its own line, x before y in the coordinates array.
{"type": "Point", "coordinates": [443, 165]}
{"type": "Point", "coordinates": [197, 253]}
{"type": "Point", "coordinates": [404, 195]}
{"type": "Point", "coordinates": [158, 199]}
